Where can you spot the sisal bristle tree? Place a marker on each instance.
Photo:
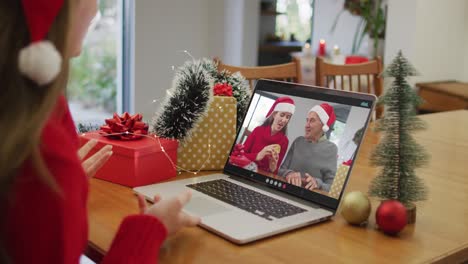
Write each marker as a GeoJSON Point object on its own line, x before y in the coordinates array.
{"type": "Point", "coordinates": [398, 154]}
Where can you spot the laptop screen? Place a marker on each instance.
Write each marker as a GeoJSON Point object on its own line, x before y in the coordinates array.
{"type": "Point", "coordinates": [301, 139]}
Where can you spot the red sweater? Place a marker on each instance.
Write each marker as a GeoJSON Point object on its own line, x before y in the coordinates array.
{"type": "Point", "coordinates": [44, 227]}
{"type": "Point", "coordinates": [260, 138]}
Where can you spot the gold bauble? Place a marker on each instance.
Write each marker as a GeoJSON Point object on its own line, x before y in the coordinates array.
{"type": "Point", "coordinates": [355, 208]}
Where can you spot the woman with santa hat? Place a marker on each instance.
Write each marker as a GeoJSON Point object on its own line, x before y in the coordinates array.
{"type": "Point", "coordinates": [267, 144]}
{"type": "Point", "coordinates": [312, 159]}
{"type": "Point", "coordinates": [43, 171]}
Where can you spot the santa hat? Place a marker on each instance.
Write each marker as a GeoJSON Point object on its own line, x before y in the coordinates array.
{"type": "Point", "coordinates": [326, 114]}
{"type": "Point", "coordinates": [40, 61]}
{"type": "Point", "coordinates": [282, 104]}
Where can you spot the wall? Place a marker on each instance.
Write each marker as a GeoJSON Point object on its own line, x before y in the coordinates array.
{"type": "Point", "coordinates": [233, 10]}
{"type": "Point", "coordinates": [401, 28]}
{"type": "Point", "coordinates": [205, 28]}
{"type": "Point", "coordinates": [440, 41]}
{"type": "Point", "coordinates": [324, 16]}
{"type": "Point", "coordinates": [250, 42]}
{"type": "Point", "coordinates": [162, 30]}
{"type": "Point", "coordinates": [464, 76]}
{"type": "Point", "coordinates": [432, 34]}
{"type": "Point", "coordinates": [267, 24]}
{"type": "Point", "coordinates": [241, 26]}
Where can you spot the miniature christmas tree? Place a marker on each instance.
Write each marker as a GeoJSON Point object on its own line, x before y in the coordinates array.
{"type": "Point", "coordinates": [398, 153]}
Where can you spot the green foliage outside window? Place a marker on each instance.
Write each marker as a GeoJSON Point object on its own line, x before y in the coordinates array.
{"type": "Point", "coordinates": [296, 19]}
{"type": "Point", "coordinates": [93, 77]}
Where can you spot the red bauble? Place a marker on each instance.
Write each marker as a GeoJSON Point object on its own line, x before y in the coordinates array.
{"type": "Point", "coordinates": [391, 217]}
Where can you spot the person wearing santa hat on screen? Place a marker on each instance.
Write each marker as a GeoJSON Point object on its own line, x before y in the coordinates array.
{"type": "Point", "coordinates": [261, 145]}
{"type": "Point", "coordinates": [312, 159]}
{"type": "Point", "coordinates": [43, 171]}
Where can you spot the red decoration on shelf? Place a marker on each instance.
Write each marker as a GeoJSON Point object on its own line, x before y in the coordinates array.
{"type": "Point", "coordinates": [391, 217]}
{"type": "Point", "coordinates": [125, 127]}
{"type": "Point", "coordinates": [222, 89]}
{"type": "Point", "coordinates": [322, 48]}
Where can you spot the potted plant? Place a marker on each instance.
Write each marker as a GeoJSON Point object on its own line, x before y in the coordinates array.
{"type": "Point", "coordinates": [372, 22]}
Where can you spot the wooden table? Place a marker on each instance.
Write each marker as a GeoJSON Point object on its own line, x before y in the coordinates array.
{"type": "Point", "coordinates": [439, 235]}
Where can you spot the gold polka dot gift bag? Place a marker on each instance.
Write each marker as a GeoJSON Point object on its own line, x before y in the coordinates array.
{"type": "Point", "coordinates": [209, 145]}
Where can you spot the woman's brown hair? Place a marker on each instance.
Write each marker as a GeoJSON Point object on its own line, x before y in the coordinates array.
{"type": "Point", "coordinates": [25, 106]}
{"type": "Point", "coordinates": [270, 119]}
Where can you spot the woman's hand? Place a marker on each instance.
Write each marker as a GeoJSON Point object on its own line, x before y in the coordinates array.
{"type": "Point", "coordinates": [294, 178]}
{"type": "Point", "coordinates": [273, 161]}
{"type": "Point", "coordinates": [169, 211]}
{"type": "Point", "coordinates": [266, 151]}
{"type": "Point", "coordinates": [92, 164]}
{"type": "Point", "coordinates": [311, 182]}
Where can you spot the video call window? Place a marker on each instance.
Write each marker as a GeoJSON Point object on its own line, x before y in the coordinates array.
{"type": "Point", "coordinates": [318, 166]}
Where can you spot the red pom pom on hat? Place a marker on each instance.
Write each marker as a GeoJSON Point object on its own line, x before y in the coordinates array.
{"type": "Point", "coordinates": [326, 113]}
{"type": "Point", "coordinates": [282, 104]}
{"type": "Point", "coordinates": [40, 61]}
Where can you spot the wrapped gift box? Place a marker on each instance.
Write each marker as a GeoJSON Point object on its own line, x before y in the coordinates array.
{"type": "Point", "coordinates": [136, 162]}
{"type": "Point", "coordinates": [208, 147]}
{"type": "Point", "coordinates": [338, 182]}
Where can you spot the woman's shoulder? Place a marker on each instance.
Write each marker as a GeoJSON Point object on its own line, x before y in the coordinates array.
{"type": "Point", "coordinates": [260, 129]}
{"type": "Point", "coordinates": [59, 133]}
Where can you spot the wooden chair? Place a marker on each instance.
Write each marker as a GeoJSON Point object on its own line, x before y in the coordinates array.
{"type": "Point", "coordinates": [283, 72]}
{"type": "Point", "coordinates": [363, 77]}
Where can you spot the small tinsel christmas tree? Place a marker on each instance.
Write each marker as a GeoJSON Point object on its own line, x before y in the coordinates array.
{"type": "Point", "coordinates": [398, 153]}
{"type": "Point", "coordinates": [84, 128]}
{"type": "Point", "coordinates": [187, 102]}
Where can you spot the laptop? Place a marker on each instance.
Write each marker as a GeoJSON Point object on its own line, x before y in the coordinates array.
{"type": "Point", "coordinates": [245, 203]}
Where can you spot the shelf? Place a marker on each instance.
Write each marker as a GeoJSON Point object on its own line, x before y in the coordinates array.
{"type": "Point", "coordinates": [270, 13]}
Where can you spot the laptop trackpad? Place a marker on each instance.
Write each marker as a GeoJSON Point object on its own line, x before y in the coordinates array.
{"type": "Point", "coordinates": [201, 207]}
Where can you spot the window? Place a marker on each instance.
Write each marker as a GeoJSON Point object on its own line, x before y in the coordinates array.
{"type": "Point", "coordinates": [337, 132]}
{"type": "Point", "coordinates": [297, 21]}
{"type": "Point", "coordinates": [342, 115]}
{"type": "Point", "coordinates": [262, 105]}
{"type": "Point", "coordinates": [98, 86]}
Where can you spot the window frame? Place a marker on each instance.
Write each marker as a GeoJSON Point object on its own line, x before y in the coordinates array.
{"type": "Point", "coordinates": [125, 89]}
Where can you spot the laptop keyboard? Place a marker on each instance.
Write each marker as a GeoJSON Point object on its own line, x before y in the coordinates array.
{"type": "Point", "coordinates": [247, 199]}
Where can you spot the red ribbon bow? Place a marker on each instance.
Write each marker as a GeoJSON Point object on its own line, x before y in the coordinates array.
{"type": "Point", "coordinates": [125, 127]}
{"type": "Point", "coordinates": [222, 89]}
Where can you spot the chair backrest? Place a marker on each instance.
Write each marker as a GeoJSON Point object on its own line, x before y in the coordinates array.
{"type": "Point", "coordinates": [283, 72]}
{"type": "Point", "coordinates": [362, 77]}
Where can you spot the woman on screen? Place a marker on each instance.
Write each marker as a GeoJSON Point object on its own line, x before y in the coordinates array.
{"type": "Point", "coordinates": [267, 144]}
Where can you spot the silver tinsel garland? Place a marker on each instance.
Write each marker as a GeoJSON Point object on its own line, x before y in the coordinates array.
{"type": "Point", "coordinates": [188, 100]}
